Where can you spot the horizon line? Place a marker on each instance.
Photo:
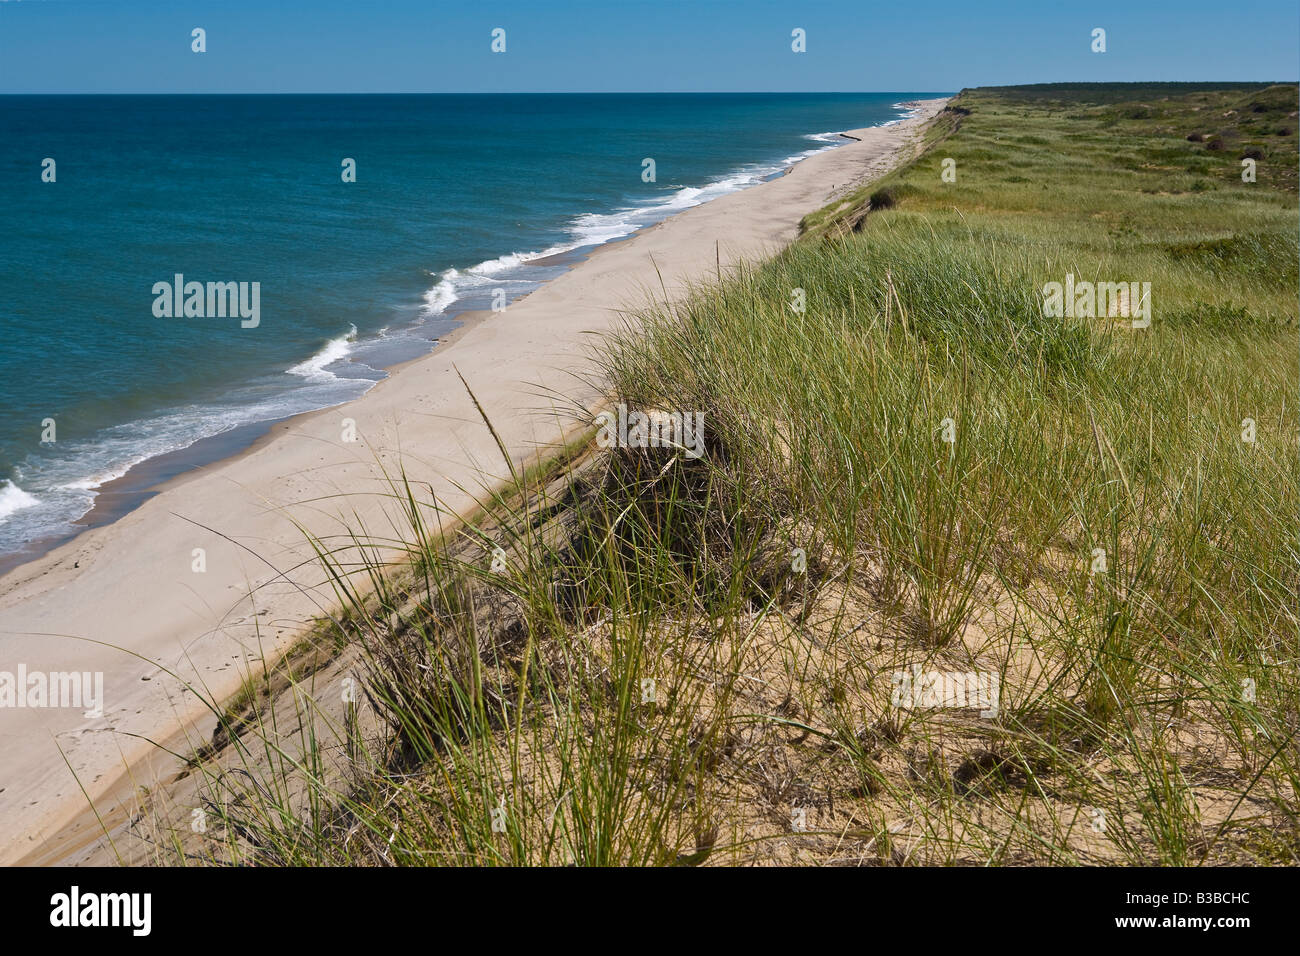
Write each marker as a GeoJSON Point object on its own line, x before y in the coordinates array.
{"type": "Point", "coordinates": [472, 92]}
{"type": "Point", "coordinates": [1269, 82]}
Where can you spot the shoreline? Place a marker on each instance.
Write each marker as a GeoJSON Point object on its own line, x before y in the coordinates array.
{"type": "Point", "coordinates": [146, 478]}
{"type": "Point", "coordinates": [90, 588]}
{"type": "Point", "coordinates": [118, 496]}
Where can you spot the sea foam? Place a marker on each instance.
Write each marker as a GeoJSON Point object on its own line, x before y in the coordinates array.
{"type": "Point", "coordinates": [13, 498]}
{"type": "Point", "coordinates": [315, 369]}
{"type": "Point", "coordinates": [594, 229]}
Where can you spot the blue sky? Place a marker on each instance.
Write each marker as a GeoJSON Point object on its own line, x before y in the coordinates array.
{"type": "Point", "coordinates": [276, 46]}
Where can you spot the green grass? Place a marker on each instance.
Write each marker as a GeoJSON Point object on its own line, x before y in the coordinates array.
{"type": "Point", "coordinates": [1158, 695]}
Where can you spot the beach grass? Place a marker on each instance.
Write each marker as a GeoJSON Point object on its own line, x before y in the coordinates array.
{"type": "Point", "coordinates": [637, 657]}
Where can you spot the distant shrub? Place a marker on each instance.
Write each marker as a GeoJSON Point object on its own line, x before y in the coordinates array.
{"type": "Point", "coordinates": [1215, 315]}
{"type": "Point", "coordinates": [1195, 138]}
{"type": "Point", "coordinates": [1262, 257]}
{"type": "Point", "coordinates": [1284, 131]}
{"type": "Point", "coordinates": [886, 198]}
{"type": "Point", "coordinates": [1220, 317]}
{"type": "Point", "coordinates": [959, 110]}
{"type": "Point", "coordinates": [1253, 153]}
{"type": "Point", "coordinates": [1214, 144]}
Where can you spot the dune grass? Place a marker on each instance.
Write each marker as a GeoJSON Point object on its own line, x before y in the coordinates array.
{"type": "Point", "coordinates": [642, 658]}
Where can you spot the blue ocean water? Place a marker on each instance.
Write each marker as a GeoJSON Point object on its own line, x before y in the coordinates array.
{"type": "Point", "coordinates": [453, 194]}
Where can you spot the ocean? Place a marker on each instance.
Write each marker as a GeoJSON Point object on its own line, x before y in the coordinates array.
{"type": "Point", "coordinates": [453, 195]}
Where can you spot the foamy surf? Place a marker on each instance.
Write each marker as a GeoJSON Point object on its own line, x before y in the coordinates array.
{"type": "Point", "coordinates": [13, 498]}
{"type": "Point", "coordinates": [315, 369]}
{"type": "Point", "coordinates": [456, 284]}
{"type": "Point", "coordinates": [60, 484]}
{"type": "Point", "coordinates": [595, 229]}
{"type": "Point", "coordinates": [908, 113]}
{"type": "Point", "coordinates": [67, 481]}
{"type": "Point", "coordinates": [95, 481]}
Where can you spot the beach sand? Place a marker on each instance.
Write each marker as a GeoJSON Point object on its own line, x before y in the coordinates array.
{"type": "Point", "coordinates": [124, 599]}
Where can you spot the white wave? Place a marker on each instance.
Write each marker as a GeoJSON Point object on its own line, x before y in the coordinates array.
{"type": "Point", "coordinates": [908, 113]}
{"type": "Point", "coordinates": [443, 294]}
{"type": "Point", "coordinates": [513, 260]}
{"type": "Point", "coordinates": [314, 369]}
{"type": "Point", "coordinates": [800, 157]}
{"type": "Point", "coordinates": [66, 484]}
{"type": "Point", "coordinates": [94, 481]}
{"type": "Point", "coordinates": [13, 498]}
{"type": "Point", "coordinates": [456, 283]}
{"type": "Point", "coordinates": [589, 229]}
{"type": "Point", "coordinates": [594, 229]}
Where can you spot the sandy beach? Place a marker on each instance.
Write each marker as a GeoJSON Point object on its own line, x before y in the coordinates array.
{"type": "Point", "coordinates": [125, 598]}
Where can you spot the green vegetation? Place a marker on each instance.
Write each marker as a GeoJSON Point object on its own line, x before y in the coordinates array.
{"type": "Point", "coordinates": [1097, 533]}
